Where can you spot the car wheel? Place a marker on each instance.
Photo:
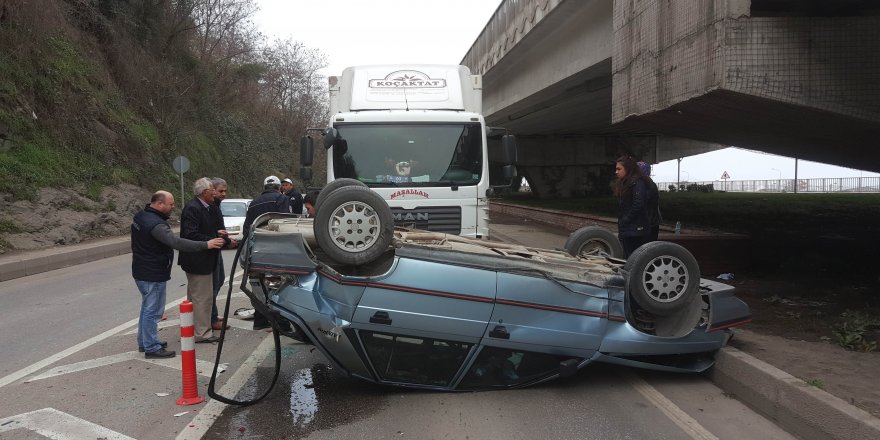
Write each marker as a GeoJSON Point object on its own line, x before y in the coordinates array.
{"type": "Point", "coordinates": [662, 277]}
{"type": "Point", "coordinates": [333, 186]}
{"type": "Point", "coordinates": [354, 225]}
{"type": "Point", "coordinates": [590, 240]}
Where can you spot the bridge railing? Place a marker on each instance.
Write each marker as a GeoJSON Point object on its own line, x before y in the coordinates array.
{"type": "Point", "coordinates": [817, 185]}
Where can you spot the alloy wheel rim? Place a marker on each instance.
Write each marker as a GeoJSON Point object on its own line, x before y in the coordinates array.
{"type": "Point", "coordinates": [354, 226]}
{"type": "Point", "coordinates": [665, 279]}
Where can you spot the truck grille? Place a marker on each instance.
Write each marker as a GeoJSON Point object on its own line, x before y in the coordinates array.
{"type": "Point", "coordinates": [430, 218]}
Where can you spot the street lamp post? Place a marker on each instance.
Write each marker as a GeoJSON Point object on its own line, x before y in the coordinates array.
{"type": "Point", "coordinates": [778, 182]}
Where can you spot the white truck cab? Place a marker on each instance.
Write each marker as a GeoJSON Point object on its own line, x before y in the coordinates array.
{"type": "Point", "coordinates": [415, 135]}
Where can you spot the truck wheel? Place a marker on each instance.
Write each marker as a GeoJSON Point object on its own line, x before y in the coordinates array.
{"type": "Point", "coordinates": [662, 277]}
{"type": "Point", "coordinates": [590, 240]}
{"type": "Point", "coordinates": [333, 186]}
{"type": "Point", "coordinates": [354, 225]}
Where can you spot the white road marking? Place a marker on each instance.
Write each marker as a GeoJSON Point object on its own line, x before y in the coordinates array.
{"type": "Point", "coordinates": [202, 367]}
{"type": "Point", "coordinates": [87, 365]}
{"type": "Point", "coordinates": [37, 366]}
{"type": "Point", "coordinates": [687, 423]}
{"type": "Point", "coordinates": [58, 425]}
{"type": "Point", "coordinates": [214, 408]}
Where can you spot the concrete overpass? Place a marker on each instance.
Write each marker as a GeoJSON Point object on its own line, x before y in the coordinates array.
{"type": "Point", "coordinates": [581, 82]}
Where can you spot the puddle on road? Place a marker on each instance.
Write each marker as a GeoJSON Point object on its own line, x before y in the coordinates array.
{"type": "Point", "coordinates": [304, 400]}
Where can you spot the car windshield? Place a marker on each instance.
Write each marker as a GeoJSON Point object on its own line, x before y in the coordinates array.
{"type": "Point", "coordinates": [410, 154]}
{"type": "Point", "coordinates": [233, 209]}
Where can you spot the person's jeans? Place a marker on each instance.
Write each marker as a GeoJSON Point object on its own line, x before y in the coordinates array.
{"type": "Point", "coordinates": [152, 306]}
{"type": "Point", "coordinates": [219, 275]}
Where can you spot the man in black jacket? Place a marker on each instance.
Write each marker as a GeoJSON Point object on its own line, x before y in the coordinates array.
{"type": "Point", "coordinates": [220, 189]}
{"type": "Point", "coordinates": [199, 221]}
{"type": "Point", "coordinates": [296, 199]}
{"type": "Point", "coordinates": [271, 200]}
{"type": "Point", "coordinates": [152, 251]}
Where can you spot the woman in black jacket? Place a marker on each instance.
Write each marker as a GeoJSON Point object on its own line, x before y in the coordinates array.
{"type": "Point", "coordinates": [631, 190]}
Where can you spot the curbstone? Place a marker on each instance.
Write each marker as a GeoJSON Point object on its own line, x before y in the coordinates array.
{"type": "Point", "coordinates": [40, 262]}
{"type": "Point", "coordinates": [801, 409]}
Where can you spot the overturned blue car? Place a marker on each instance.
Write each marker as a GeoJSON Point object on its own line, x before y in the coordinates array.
{"type": "Point", "coordinates": [435, 311]}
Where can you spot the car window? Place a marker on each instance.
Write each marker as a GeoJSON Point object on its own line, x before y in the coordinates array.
{"type": "Point", "coordinates": [233, 209]}
{"type": "Point", "coordinates": [501, 367]}
{"type": "Point", "coordinates": [409, 359]}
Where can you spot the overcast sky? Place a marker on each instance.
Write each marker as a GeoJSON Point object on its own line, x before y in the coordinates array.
{"type": "Point", "coordinates": [358, 32]}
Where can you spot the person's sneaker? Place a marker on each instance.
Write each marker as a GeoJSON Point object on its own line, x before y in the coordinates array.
{"type": "Point", "coordinates": [261, 326]}
{"type": "Point", "coordinates": [163, 344]}
{"type": "Point", "coordinates": [162, 353]}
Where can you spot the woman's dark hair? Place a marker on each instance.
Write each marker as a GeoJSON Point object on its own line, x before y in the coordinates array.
{"type": "Point", "coordinates": [622, 186]}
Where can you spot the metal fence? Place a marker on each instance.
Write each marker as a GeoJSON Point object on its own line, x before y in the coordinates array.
{"type": "Point", "coordinates": [820, 185]}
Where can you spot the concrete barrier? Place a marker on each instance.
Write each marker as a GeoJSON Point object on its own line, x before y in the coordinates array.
{"type": "Point", "coordinates": [801, 409]}
{"type": "Point", "coordinates": [32, 263]}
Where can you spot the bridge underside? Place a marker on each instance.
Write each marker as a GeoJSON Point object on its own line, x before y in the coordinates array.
{"type": "Point", "coordinates": [582, 82]}
{"type": "Point", "coordinates": [762, 124]}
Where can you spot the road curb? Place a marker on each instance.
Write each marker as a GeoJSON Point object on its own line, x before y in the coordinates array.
{"type": "Point", "coordinates": [801, 409]}
{"type": "Point", "coordinates": [43, 261]}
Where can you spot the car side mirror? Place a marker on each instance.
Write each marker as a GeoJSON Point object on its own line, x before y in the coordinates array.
{"type": "Point", "coordinates": [330, 136]}
{"type": "Point", "coordinates": [306, 150]}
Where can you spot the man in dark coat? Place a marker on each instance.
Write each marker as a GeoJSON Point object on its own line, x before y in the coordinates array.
{"type": "Point", "coordinates": [199, 221]}
{"type": "Point", "coordinates": [271, 200]}
{"type": "Point", "coordinates": [220, 189]}
{"type": "Point", "coordinates": [152, 251]}
{"type": "Point", "coordinates": [296, 199]}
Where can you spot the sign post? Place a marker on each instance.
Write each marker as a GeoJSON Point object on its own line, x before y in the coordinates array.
{"type": "Point", "coordinates": [181, 165]}
{"type": "Point", "coordinates": [724, 177]}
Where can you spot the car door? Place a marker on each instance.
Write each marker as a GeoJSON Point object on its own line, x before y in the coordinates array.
{"type": "Point", "coordinates": [539, 327]}
{"type": "Point", "coordinates": [420, 324]}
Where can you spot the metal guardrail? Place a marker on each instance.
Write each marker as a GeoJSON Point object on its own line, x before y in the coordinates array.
{"type": "Point", "coordinates": [818, 185]}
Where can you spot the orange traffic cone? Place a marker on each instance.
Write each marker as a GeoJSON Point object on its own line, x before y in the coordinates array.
{"type": "Point", "coordinates": [188, 357]}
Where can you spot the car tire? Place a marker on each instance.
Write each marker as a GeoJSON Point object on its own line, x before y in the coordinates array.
{"type": "Point", "coordinates": [662, 277]}
{"type": "Point", "coordinates": [589, 239]}
{"type": "Point", "coordinates": [333, 186]}
{"type": "Point", "coordinates": [354, 225]}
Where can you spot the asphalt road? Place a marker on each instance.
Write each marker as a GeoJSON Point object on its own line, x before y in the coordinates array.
{"type": "Point", "coordinates": [601, 402]}
{"type": "Point", "coordinates": [67, 358]}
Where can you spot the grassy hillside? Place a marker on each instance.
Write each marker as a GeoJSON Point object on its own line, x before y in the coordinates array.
{"type": "Point", "coordinates": [99, 93]}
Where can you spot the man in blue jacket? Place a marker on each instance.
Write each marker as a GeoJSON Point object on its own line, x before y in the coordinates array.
{"type": "Point", "coordinates": [152, 250]}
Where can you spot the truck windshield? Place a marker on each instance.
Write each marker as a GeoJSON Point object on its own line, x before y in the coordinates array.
{"type": "Point", "coordinates": [409, 154]}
